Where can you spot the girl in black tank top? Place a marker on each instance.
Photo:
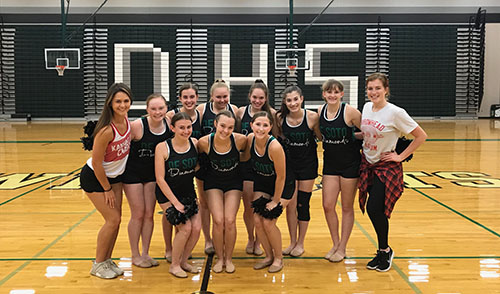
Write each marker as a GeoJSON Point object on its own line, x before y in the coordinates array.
{"type": "Point", "coordinates": [298, 128]}
{"type": "Point", "coordinates": [258, 96]}
{"type": "Point", "coordinates": [188, 96]}
{"type": "Point", "coordinates": [223, 185]}
{"type": "Point", "coordinates": [272, 189]}
{"type": "Point", "coordinates": [139, 179]}
{"type": "Point", "coordinates": [175, 163]}
{"type": "Point", "coordinates": [339, 144]}
{"type": "Point", "coordinates": [341, 159]}
{"type": "Point", "coordinates": [140, 164]}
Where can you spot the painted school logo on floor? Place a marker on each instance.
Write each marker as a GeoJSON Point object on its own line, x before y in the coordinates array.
{"type": "Point", "coordinates": [412, 179]}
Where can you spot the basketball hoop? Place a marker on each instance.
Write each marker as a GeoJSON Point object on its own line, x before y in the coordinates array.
{"type": "Point", "coordinates": [292, 69]}
{"type": "Point", "coordinates": [60, 69]}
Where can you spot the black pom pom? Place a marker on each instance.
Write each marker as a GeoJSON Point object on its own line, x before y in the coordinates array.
{"type": "Point", "coordinates": [88, 130]}
{"type": "Point", "coordinates": [176, 217]}
{"type": "Point", "coordinates": [259, 207]}
{"type": "Point", "coordinates": [401, 145]}
{"type": "Point", "coordinates": [87, 143]}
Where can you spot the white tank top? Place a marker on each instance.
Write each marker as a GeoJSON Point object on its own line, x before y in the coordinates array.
{"type": "Point", "coordinates": [115, 158]}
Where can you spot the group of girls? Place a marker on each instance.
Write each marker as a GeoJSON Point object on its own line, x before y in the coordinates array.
{"type": "Point", "coordinates": [266, 157]}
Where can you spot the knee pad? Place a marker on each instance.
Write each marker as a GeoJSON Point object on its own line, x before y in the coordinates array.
{"type": "Point", "coordinates": [303, 199]}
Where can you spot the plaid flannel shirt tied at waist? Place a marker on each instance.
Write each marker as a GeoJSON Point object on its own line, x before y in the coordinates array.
{"type": "Point", "coordinates": [390, 173]}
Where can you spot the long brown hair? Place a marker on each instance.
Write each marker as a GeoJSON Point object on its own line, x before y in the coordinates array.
{"type": "Point", "coordinates": [284, 111]}
{"type": "Point", "coordinates": [259, 84]}
{"type": "Point", "coordinates": [107, 110]}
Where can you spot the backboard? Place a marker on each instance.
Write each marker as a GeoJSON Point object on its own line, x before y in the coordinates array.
{"type": "Point", "coordinates": [68, 57]}
{"type": "Point", "coordinates": [292, 59]}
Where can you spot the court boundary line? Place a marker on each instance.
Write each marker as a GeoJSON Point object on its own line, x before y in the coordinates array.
{"type": "Point", "coordinates": [49, 181]}
{"type": "Point", "coordinates": [257, 258]}
{"type": "Point", "coordinates": [394, 265]}
{"type": "Point", "coordinates": [457, 212]}
{"type": "Point", "coordinates": [22, 266]}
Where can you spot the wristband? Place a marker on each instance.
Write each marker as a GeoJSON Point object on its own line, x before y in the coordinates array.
{"type": "Point", "coordinates": [110, 188]}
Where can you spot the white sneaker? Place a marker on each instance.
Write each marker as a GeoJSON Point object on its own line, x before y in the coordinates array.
{"type": "Point", "coordinates": [103, 270]}
{"type": "Point", "coordinates": [114, 267]}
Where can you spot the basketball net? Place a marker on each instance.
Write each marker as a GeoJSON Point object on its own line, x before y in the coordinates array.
{"type": "Point", "coordinates": [60, 69]}
{"type": "Point", "coordinates": [292, 69]}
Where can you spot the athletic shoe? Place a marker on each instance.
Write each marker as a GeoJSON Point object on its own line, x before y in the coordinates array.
{"type": "Point", "coordinates": [103, 270]}
{"type": "Point", "coordinates": [385, 262]}
{"type": "Point", "coordinates": [114, 267]}
{"type": "Point", "coordinates": [373, 264]}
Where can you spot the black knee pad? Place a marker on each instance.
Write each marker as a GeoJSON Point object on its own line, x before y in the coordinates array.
{"type": "Point", "coordinates": [303, 199]}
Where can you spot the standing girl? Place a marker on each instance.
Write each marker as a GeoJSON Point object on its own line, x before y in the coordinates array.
{"type": "Point", "coordinates": [101, 177]}
{"type": "Point", "coordinates": [298, 128]}
{"type": "Point", "coordinates": [341, 159]}
{"type": "Point", "coordinates": [175, 164]}
{"type": "Point", "coordinates": [272, 189]}
{"type": "Point", "coordinates": [259, 101]}
{"type": "Point", "coordinates": [223, 185]}
{"type": "Point", "coordinates": [219, 100]}
{"type": "Point", "coordinates": [139, 177]}
{"type": "Point", "coordinates": [381, 171]}
{"type": "Point", "coordinates": [188, 96]}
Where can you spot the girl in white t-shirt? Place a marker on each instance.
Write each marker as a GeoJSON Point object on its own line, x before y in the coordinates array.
{"type": "Point", "coordinates": [381, 173]}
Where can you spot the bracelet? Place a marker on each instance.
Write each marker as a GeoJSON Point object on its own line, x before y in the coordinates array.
{"type": "Point", "coordinates": [110, 188]}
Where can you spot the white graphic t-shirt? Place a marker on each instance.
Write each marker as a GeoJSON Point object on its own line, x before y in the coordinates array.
{"type": "Point", "coordinates": [382, 129]}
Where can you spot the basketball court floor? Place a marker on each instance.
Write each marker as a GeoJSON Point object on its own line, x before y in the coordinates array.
{"type": "Point", "coordinates": [445, 230]}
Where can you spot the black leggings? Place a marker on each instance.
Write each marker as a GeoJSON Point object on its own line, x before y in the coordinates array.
{"type": "Point", "coordinates": [375, 208]}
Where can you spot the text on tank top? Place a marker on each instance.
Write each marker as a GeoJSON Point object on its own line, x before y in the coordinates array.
{"type": "Point", "coordinates": [142, 152]}
{"type": "Point", "coordinates": [245, 121]}
{"type": "Point", "coordinates": [119, 148]}
{"type": "Point", "coordinates": [262, 164]}
{"type": "Point", "coordinates": [223, 164]}
{"type": "Point", "coordinates": [335, 131]}
{"type": "Point", "coordinates": [299, 139]}
{"type": "Point", "coordinates": [116, 154]}
{"type": "Point", "coordinates": [180, 167]}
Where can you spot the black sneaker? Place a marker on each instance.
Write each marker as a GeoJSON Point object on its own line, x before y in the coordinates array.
{"type": "Point", "coordinates": [373, 264]}
{"type": "Point", "coordinates": [385, 261]}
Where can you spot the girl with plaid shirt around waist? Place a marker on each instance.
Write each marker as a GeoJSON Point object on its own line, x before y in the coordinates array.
{"type": "Point", "coordinates": [381, 172]}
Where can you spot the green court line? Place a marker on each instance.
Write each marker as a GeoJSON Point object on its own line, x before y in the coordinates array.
{"type": "Point", "coordinates": [254, 257]}
{"type": "Point", "coordinates": [457, 212]}
{"type": "Point", "coordinates": [21, 267]}
{"type": "Point", "coordinates": [36, 188]}
{"type": "Point", "coordinates": [41, 141]}
{"type": "Point", "coordinates": [394, 265]}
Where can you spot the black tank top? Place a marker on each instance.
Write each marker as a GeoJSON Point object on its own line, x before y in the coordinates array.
{"type": "Point", "coordinates": [339, 143]}
{"type": "Point", "coordinates": [245, 122]}
{"type": "Point", "coordinates": [207, 121]}
{"type": "Point", "coordinates": [195, 124]}
{"type": "Point", "coordinates": [142, 152]}
{"type": "Point", "coordinates": [263, 166]}
{"type": "Point", "coordinates": [224, 165]}
{"type": "Point", "coordinates": [180, 170]}
{"type": "Point", "coordinates": [299, 140]}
